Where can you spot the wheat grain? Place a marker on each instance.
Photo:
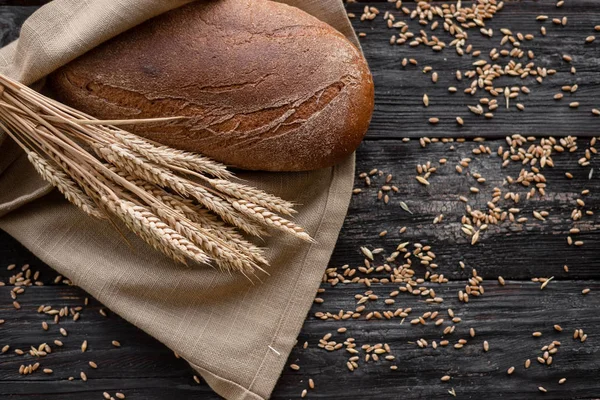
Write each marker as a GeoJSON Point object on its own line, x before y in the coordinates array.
{"type": "Point", "coordinates": [53, 175]}
{"type": "Point", "coordinates": [152, 229]}
{"type": "Point", "coordinates": [215, 248]}
{"type": "Point", "coordinates": [266, 217]}
{"type": "Point", "coordinates": [256, 196]}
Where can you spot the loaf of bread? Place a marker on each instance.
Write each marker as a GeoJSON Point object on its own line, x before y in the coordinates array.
{"type": "Point", "coordinates": [264, 86]}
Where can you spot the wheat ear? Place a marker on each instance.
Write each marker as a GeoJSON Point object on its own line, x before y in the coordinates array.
{"type": "Point", "coordinates": [57, 178]}
{"type": "Point", "coordinates": [167, 156]}
{"type": "Point", "coordinates": [253, 195]}
{"type": "Point", "coordinates": [140, 167]}
{"type": "Point", "coordinates": [228, 252]}
{"type": "Point", "coordinates": [181, 203]}
{"type": "Point", "coordinates": [214, 226]}
{"type": "Point", "coordinates": [142, 220]}
{"type": "Point", "coordinates": [266, 217]}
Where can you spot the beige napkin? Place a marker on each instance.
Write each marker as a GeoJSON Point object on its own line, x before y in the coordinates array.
{"type": "Point", "coordinates": [236, 334]}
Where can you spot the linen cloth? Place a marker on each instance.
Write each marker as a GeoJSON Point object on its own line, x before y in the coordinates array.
{"type": "Point", "coordinates": [235, 333]}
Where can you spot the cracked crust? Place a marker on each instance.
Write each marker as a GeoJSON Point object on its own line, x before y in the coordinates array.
{"type": "Point", "coordinates": [265, 85]}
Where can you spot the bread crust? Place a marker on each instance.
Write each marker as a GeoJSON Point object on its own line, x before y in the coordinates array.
{"type": "Point", "coordinates": [265, 86]}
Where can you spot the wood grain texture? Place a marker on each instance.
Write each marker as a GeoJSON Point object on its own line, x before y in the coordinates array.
{"type": "Point", "coordinates": [399, 110]}
{"type": "Point", "coordinates": [11, 19]}
{"type": "Point", "coordinates": [142, 368]}
{"type": "Point", "coordinates": [23, 3]}
{"type": "Point", "coordinates": [504, 316]}
{"type": "Point", "coordinates": [519, 243]}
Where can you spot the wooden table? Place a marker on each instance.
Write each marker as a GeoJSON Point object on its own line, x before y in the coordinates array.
{"type": "Point", "coordinates": [504, 316]}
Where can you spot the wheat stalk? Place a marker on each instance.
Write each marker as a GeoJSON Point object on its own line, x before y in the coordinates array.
{"type": "Point", "coordinates": [268, 218]}
{"type": "Point", "coordinates": [204, 219]}
{"type": "Point", "coordinates": [229, 251]}
{"type": "Point", "coordinates": [163, 154]}
{"type": "Point", "coordinates": [256, 196]}
{"type": "Point", "coordinates": [57, 178]}
{"type": "Point", "coordinates": [184, 204]}
{"type": "Point", "coordinates": [142, 221]}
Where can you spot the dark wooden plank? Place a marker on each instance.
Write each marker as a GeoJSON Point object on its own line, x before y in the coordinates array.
{"type": "Point", "coordinates": [512, 250]}
{"type": "Point", "coordinates": [138, 388]}
{"type": "Point", "coordinates": [141, 368]}
{"type": "Point", "coordinates": [503, 316]}
{"type": "Point", "coordinates": [19, 3]}
{"type": "Point", "coordinates": [516, 251]}
{"type": "Point", "coordinates": [399, 110]}
{"type": "Point", "coordinates": [11, 19]}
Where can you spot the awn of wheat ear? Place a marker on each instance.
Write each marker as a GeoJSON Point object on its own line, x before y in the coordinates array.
{"type": "Point", "coordinates": [184, 204]}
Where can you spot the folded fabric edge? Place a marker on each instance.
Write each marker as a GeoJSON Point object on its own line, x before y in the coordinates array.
{"type": "Point", "coordinates": [225, 387]}
{"type": "Point", "coordinates": [292, 319]}
{"type": "Point", "coordinates": [20, 172]}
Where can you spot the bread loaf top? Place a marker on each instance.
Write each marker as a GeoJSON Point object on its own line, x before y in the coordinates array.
{"type": "Point", "coordinates": [266, 86]}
